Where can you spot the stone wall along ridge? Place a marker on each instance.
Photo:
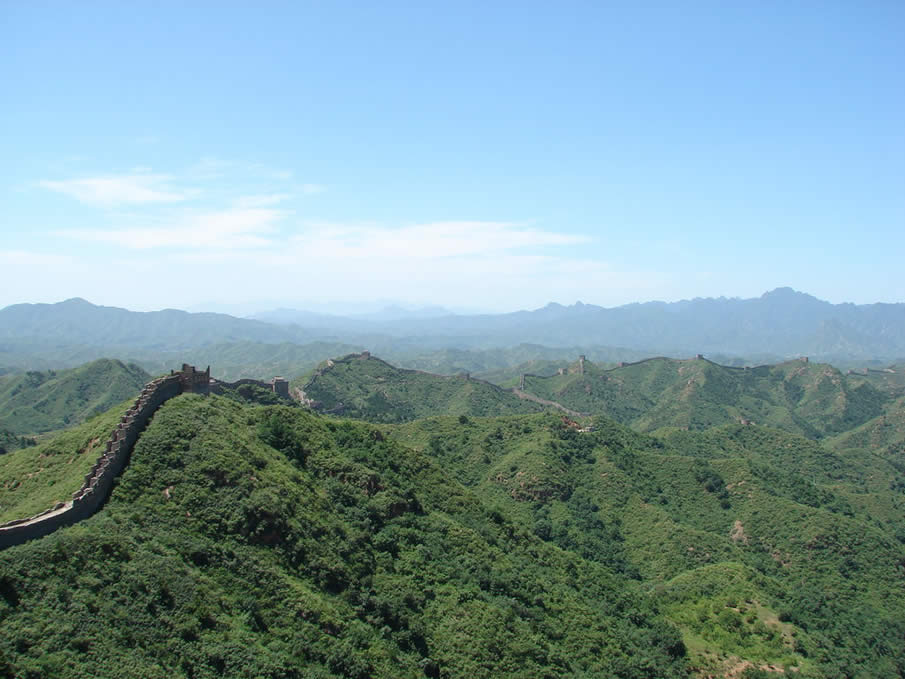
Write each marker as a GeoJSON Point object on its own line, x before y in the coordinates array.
{"type": "Point", "coordinates": [99, 481]}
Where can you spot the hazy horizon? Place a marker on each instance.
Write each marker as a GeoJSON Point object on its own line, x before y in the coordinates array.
{"type": "Point", "coordinates": [364, 308]}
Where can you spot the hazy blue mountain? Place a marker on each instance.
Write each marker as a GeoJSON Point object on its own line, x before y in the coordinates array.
{"type": "Point", "coordinates": [781, 323]}
{"type": "Point", "coordinates": [76, 321]}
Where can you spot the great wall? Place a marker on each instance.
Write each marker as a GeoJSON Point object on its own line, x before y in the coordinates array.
{"type": "Point", "coordinates": [99, 481]}
{"type": "Point", "coordinates": [366, 356]}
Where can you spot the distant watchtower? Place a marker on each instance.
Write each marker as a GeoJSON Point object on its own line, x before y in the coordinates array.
{"type": "Point", "coordinates": [192, 381]}
{"type": "Point", "coordinates": [365, 355]}
{"type": "Point", "coordinates": [280, 386]}
{"type": "Point", "coordinates": [581, 364]}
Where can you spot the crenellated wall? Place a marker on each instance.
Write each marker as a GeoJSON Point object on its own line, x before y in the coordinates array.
{"type": "Point", "coordinates": [99, 481]}
{"type": "Point", "coordinates": [278, 385]}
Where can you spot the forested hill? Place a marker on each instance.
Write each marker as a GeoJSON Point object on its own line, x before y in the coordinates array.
{"type": "Point", "coordinates": [363, 386]}
{"type": "Point", "coordinates": [769, 551]}
{"type": "Point", "coordinates": [269, 542]}
{"type": "Point", "coordinates": [800, 396]}
{"type": "Point", "coordinates": [36, 402]}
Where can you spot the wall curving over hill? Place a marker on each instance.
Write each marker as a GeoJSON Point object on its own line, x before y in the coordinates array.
{"type": "Point", "coordinates": [99, 481]}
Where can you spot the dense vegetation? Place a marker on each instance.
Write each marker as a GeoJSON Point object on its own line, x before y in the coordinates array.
{"type": "Point", "coordinates": [253, 539]}
{"type": "Point", "coordinates": [762, 546]}
{"type": "Point", "coordinates": [9, 441]}
{"type": "Point", "coordinates": [36, 402]}
{"type": "Point", "coordinates": [811, 399]}
{"type": "Point", "coordinates": [267, 542]}
{"type": "Point", "coordinates": [374, 390]}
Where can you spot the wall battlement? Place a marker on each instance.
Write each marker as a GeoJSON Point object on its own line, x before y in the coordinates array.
{"type": "Point", "coordinates": [278, 385]}
{"type": "Point", "coordinates": [99, 481]}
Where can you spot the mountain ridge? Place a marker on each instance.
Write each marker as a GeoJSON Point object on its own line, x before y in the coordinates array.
{"type": "Point", "coordinates": [782, 322]}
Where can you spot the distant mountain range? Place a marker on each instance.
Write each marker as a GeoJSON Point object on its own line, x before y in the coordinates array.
{"type": "Point", "coordinates": [780, 324]}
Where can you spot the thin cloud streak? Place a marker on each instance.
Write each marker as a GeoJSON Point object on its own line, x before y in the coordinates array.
{"type": "Point", "coordinates": [239, 228]}
{"type": "Point", "coordinates": [117, 190]}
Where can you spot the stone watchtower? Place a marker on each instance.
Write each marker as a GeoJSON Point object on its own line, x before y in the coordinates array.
{"type": "Point", "coordinates": [280, 386]}
{"type": "Point", "coordinates": [581, 360]}
{"type": "Point", "coordinates": [192, 381]}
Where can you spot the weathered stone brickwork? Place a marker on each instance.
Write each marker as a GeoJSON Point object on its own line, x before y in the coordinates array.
{"type": "Point", "coordinates": [99, 481]}
{"type": "Point", "coordinates": [280, 387]}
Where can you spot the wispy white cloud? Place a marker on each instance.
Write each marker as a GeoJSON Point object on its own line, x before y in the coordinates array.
{"type": "Point", "coordinates": [498, 279]}
{"type": "Point", "coordinates": [312, 189]}
{"type": "Point", "coordinates": [112, 190]}
{"type": "Point", "coordinates": [237, 228]}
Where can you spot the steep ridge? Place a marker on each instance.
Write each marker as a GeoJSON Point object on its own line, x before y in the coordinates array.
{"type": "Point", "coordinates": [99, 481]}
{"type": "Point", "coordinates": [366, 387]}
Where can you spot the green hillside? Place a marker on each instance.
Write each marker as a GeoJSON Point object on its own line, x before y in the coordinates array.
{"type": "Point", "coordinates": [369, 388]}
{"type": "Point", "coordinates": [36, 402]}
{"type": "Point", "coordinates": [36, 478]}
{"type": "Point", "coordinates": [259, 540]}
{"type": "Point", "coordinates": [811, 399]}
{"type": "Point", "coordinates": [747, 538]}
{"type": "Point", "coordinates": [890, 379]}
{"type": "Point", "coordinates": [269, 542]}
{"type": "Point", "coordinates": [9, 441]}
{"type": "Point", "coordinates": [884, 434]}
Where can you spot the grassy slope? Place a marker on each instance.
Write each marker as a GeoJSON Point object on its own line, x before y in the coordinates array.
{"type": "Point", "coordinates": [38, 402]}
{"type": "Point", "coordinates": [268, 542]}
{"type": "Point", "coordinates": [730, 529]}
{"type": "Point", "coordinates": [374, 390]}
{"type": "Point", "coordinates": [806, 398]}
{"type": "Point", "coordinates": [34, 479]}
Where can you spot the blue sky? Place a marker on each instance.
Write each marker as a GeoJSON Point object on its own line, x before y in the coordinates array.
{"type": "Point", "coordinates": [326, 155]}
